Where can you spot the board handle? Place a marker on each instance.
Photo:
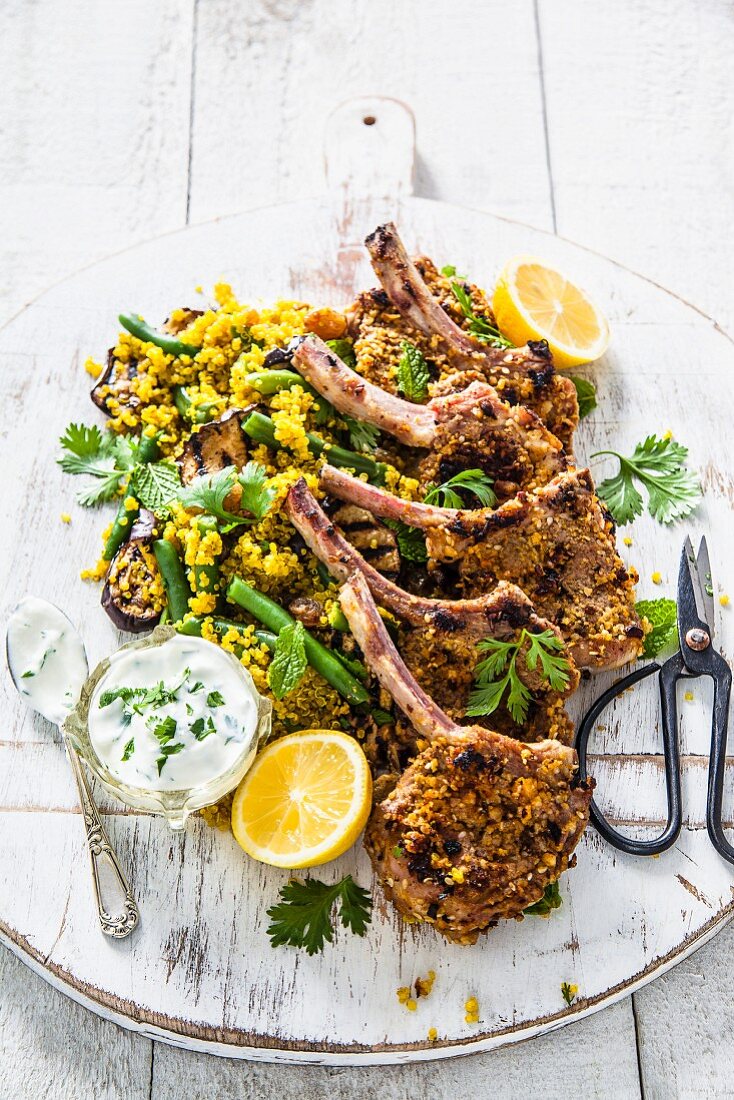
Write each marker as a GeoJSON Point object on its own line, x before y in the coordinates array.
{"type": "Point", "coordinates": [370, 149]}
{"type": "Point", "coordinates": [369, 153]}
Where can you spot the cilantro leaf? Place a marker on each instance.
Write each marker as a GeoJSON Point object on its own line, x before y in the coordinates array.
{"type": "Point", "coordinates": [81, 440]}
{"type": "Point", "coordinates": [586, 393]}
{"type": "Point", "coordinates": [166, 751]}
{"type": "Point", "coordinates": [413, 374]}
{"type": "Point", "coordinates": [155, 485]}
{"type": "Point", "coordinates": [289, 660]}
{"type": "Point", "coordinates": [550, 900]}
{"type": "Point", "coordinates": [362, 437]}
{"type": "Point", "coordinates": [165, 730]}
{"type": "Point", "coordinates": [662, 614]}
{"type": "Point", "coordinates": [257, 496]}
{"type": "Point", "coordinates": [411, 541]}
{"type": "Point", "coordinates": [484, 330]}
{"type": "Point", "coordinates": [474, 481]}
{"type": "Point", "coordinates": [104, 456]}
{"type": "Point", "coordinates": [497, 673]}
{"type": "Point", "coordinates": [659, 465]}
{"type": "Point", "coordinates": [303, 916]}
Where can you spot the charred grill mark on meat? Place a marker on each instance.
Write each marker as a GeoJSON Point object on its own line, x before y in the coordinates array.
{"type": "Point", "coordinates": [479, 823]}
{"type": "Point", "coordinates": [555, 543]}
{"type": "Point", "coordinates": [469, 429]}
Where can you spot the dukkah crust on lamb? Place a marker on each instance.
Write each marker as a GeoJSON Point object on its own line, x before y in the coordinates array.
{"type": "Point", "coordinates": [416, 303]}
{"type": "Point", "coordinates": [479, 824]}
{"type": "Point", "coordinates": [557, 544]}
{"type": "Point", "coordinates": [468, 429]}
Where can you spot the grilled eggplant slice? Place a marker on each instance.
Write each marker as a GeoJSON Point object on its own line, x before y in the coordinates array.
{"type": "Point", "coordinates": [115, 382]}
{"type": "Point", "coordinates": [126, 596]}
{"type": "Point", "coordinates": [216, 445]}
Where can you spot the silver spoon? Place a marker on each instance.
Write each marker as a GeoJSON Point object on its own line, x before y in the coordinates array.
{"type": "Point", "coordinates": [49, 679]}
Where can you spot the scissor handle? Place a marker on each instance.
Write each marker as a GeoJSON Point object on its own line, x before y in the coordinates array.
{"type": "Point", "coordinates": [670, 673]}
{"type": "Point", "coordinates": [721, 675]}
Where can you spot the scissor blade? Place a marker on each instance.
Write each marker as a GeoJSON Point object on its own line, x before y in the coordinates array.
{"type": "Point", "coordinates": [705, 580]}
{"type": "Point", "coordinates": [691, 610]}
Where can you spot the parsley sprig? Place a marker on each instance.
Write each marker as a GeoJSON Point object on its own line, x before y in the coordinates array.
{"type": "Point", "coordinates": [362, 437]}
{"type": "Point", "coordinates": [480, 327]}
{"type": "Point", "coordinates": [476, 482]}
{"type": "Point", "coordinates": [209, 492]}
{"type": "Point", "coordinates": [497, 673]}
{"type": "Point", "coordinates": [659, 465]}
{"type": "Point", "coordinates": [303, 916]}
{"type": "Point", "coordinates": [413, 373]}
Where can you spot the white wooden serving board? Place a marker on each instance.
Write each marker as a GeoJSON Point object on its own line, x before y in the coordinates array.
{"type": "Point", "coordinates": [199, 971]}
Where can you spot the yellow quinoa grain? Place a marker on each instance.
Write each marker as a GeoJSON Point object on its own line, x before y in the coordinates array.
{"type": "Point", "coordinates": [411, 1005]}
{"type": "Point", "coordinates": [657, 577]}
{"type": "Point", "coordinates": [432, 1035]}
{"type": "Point", "coordinates": [627, 540]}
{"type": "Point", "coordinates": [65, 517]}
{"type": "Point", "coordinates": [688, 696]}
{"type": "Point", "coordinates": [724, 600]}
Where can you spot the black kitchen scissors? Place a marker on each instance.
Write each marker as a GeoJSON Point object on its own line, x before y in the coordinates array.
{"type": "Point", "coordinates": [696, 657]}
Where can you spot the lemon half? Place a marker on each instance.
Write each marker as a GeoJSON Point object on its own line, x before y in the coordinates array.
{"type": "Point", "coordinates": [304, 801]}
{"type": "Point", "coordinates": [535, 302]}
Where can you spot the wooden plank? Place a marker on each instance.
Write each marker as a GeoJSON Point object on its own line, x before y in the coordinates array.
{"type": "Point", "coordinates": [94, 150]}
{"type": "Point", "coordinates": [53, 1049]}
{"type": "Point", "coordinates": [596, 1051]}
{"type": "Point", "coordinates": [685, 1021]}
{"type": "Point", "coordinates": [639, 108]}
{"type": "Point", "coordinates": [267, 82]}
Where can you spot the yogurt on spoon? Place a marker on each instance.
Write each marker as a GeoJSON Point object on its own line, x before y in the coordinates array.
{"type": "Point", "coordinates": [46, 658]}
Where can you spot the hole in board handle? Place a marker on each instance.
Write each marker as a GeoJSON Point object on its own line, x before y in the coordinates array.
{"type": "Point", "coordinates": [369, 120]}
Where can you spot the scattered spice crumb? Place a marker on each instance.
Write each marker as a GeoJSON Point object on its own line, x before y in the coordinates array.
{"type": "Point", "coordinates": [668, 434]}
{"type": "Point", "coordinates": [423, 986]}
{"type": "Point", "coordinates": [411, 1005]}
{"type": "Point", "coordinates": [657, 577]}
{"type": "Point", "coordinates": [627, 540]}
{"type": "Point", "coordinates": [724, 600]}
{"type": "Point", "coordinates": [569, 992]}
{"type": "Point", "coordinates": [688, 696]}
{"type": "Point", "coordinates": [403, 994]}
{"type": "Point", "coordinates": [92, 368]}
{"type": "Point", "coordinates": [471, 1008]}
{"type": "Point", "coordinates": [198, 290]}
{"type": "Point", "coordinates": [65, 517]}
{"type": "Point", "coordinates": [432, 1035]}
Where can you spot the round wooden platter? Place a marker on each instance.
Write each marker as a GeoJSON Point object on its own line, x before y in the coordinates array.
{"type": "Point", "coordinates": [200, 971]}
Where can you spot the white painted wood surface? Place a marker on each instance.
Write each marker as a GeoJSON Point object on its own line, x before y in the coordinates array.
{"type": "Point", "coordinates": [659, 73]}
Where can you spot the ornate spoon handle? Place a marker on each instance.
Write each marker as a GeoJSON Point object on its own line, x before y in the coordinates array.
{"type": "Point", "coordinates": [118, 911]}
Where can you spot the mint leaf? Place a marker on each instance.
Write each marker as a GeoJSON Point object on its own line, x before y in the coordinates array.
{"type": "Point", "coordinates": [289, 661]}
{"type": "Point", "coordinates": [586, 393]}
{"type": "Point", "coordinates": [413, 374]}
{"type": "Point", "coordinates": [662, 614]}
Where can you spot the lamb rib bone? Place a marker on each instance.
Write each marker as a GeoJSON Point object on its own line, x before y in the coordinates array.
{"type": "Point", "coordinates": [528, 370]}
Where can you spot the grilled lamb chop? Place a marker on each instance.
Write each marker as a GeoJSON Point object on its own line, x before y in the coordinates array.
{"type": "Point", "coordinates": [440, 649]}
{"type": "Point", "coordinates": [472, 429]}
{"type": "Point", "coordinates": [556, 544]}
{"type": "Point", "coordinates": [479, 824]}
{"type": "Point", "coordinates": [523, 376]}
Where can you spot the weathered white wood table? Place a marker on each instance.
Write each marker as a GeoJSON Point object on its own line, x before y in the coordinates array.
{"type": "Point", "coordinates": [611, 126]}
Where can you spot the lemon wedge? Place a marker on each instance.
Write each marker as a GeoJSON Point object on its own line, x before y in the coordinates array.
{"type": "Point", "coordinates": [535, 302]}
{"type": "Point", "coordinates": [304, 801]}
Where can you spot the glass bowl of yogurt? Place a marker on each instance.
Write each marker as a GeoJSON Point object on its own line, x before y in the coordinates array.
{"type": "Point", "coordinates": [170, 724]}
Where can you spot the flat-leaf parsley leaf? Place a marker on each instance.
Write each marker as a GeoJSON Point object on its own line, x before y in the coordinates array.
{"type": "Point", "coordinates": [497, 673]}
{"type": "Point", "coordinates": [302, 918]}
{"type": "Point", "coordinates": [476, 482]}
{"type": "Point", "coordinates": [659, 465]}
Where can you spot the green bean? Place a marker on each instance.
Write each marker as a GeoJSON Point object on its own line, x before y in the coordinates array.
{"type": "Point", "coordinates": [268, 382]}
{"type": "Point", "coordinates": [202, 414]}
{"type": "Point", "coordinates": [274, 617]}
{"type": "Point", "coordinates": [136, 326]}
{"type": "Point", "coordinates": [261, 429]}
{"type": "Point", "coordinates": [148, 449]}
{"type": "Point", "coordinates": [206, 577]}
{"type": "Point", "coordinates": [121, 527]}
{"type": "Point", "coordinates": [174, 579]}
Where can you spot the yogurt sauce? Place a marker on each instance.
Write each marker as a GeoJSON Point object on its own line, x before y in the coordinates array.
{"type": "Point", "coordinates": [172, 717]}
{"type": "Point", "coordinates": [46, 658]}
